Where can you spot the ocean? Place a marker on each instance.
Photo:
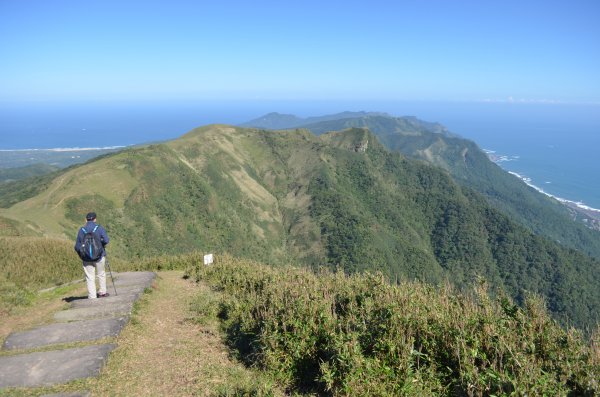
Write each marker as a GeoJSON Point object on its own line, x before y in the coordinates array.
{"type": "Point", "coordinates": [554, 146]}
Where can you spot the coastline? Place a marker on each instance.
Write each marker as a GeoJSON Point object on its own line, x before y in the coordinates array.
{"type": "Point", "coordinates": [580, 211]}
{"type": "Point", "coordinates": [579, 204]}
{"type": "Point", "coordinates": [590, 216]}
{"type": "Point", "coordinates": [498, 159]}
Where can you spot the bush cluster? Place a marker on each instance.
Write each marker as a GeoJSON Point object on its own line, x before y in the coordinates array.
{"type": "Point", "coordinates": [333, 334]}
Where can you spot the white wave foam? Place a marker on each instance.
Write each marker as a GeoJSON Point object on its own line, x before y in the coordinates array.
{"type": "Point", "coordinates": [578, 204]}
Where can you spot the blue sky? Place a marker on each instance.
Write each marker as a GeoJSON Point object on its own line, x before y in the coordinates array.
{"type": "Point", "coordinates": [380, 50]}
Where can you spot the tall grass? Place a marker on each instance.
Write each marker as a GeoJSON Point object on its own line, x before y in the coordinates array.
{"type": "Point", "coordinates": [28, 264]}
{"type": "Point", "coordinates": [38, 262]}
{"type": "Point", "coordinates": [333, 334]}
{"type": "Point", "coordinates": [162, 262]}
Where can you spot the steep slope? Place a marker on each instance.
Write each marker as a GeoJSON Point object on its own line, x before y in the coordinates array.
{"type": "Point", "coordinates": [340, 199]}
{"type": "Point", "coordinates": [471, 167]}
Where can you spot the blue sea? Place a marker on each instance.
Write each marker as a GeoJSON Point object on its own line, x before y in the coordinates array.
{"type": "Point", "coordinates": [556, 146]}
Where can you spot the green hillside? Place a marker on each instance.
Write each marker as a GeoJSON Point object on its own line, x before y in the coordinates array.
{"type": "Point", "coordinates": [471, 167]}
{"type": "Point", "coordinates": [334, 335]}
{"type": "Point", "coordinates": [13, 174]}
{"type": "Point", "coordinates": [340, 200]}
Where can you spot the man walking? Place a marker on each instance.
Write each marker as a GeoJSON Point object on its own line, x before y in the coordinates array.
{"type": "Point", "coordinates": [91, 240]}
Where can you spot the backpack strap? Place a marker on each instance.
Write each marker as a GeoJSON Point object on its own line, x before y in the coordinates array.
{"type": "Point", "coordinates": [93, 231]}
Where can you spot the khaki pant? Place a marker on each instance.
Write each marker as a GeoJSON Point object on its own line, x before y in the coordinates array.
{"type": "Point", "coordinates": [90, 277]}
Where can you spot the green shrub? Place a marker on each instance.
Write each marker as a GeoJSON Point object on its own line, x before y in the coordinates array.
{"type": "Point", "coordinates": [76, 208]}
{"type": "Point", "coordinates": [329, 333]}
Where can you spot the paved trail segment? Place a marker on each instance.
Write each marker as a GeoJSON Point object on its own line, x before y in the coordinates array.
{"type": "Point", "coordinates": [86, 321]}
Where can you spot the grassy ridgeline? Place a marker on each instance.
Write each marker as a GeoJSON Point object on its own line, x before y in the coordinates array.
{"type": "Point", "coordinates": [358, 335]}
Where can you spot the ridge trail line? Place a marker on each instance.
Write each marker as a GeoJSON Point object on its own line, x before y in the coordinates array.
{"type": "Point", "coordinates": [162, 351]}
{"type": "Point", "coordinates": [58, 353]}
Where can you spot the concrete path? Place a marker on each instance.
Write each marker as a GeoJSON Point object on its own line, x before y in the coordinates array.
{"type": "Point", "coordinates": [123, 297]}
{"type": "Point", "coordinates": [79, 331]}
{"type": "Point", "coordinates": [49, 368]}
{"type": "Point", "coordinates": [98, 311]}
{"type": "Point", "coordinates": [86, 321]}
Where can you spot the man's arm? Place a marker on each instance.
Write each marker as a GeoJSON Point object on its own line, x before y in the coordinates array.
{"type": "Point", "coordinates": [104, 236]}
{"type": "Point", "coordinates": [78, 240]}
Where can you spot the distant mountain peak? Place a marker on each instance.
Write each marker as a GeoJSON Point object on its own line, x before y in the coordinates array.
{"type": "Point", "coordinates": [280, 121]}
{"type": "Point", "coordinates": [274, 121]}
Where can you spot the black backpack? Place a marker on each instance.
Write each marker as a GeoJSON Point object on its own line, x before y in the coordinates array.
{"type": "Point", "coordinates": [91, 249]}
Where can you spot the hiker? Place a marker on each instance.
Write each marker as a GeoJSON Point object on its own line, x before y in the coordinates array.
{"type": "Point", "coordinates": [91, 240]}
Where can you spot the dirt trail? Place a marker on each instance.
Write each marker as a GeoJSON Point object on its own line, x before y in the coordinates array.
{"type": "Point", "coordinates": [163, 353]}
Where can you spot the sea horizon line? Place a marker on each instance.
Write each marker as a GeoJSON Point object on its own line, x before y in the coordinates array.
{"type": "Point", "coordinates": [66, 149]}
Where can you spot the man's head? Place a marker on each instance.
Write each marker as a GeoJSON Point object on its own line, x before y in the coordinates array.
{"type": "Point", "coordinates": [91, 216]}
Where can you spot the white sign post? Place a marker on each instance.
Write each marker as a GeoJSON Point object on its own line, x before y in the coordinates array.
{"type": "Point", "coordinates": [208, 259]}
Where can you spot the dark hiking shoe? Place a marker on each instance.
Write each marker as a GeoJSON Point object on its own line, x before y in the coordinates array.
{"type": "Point", "coordinates": [103, 295]}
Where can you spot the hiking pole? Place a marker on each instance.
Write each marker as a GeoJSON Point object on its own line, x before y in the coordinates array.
{"type": "Point", "coordinates": [110, 272]}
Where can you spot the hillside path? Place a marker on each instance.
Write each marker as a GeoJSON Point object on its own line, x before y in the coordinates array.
{"type": "Point", "coordinates": [165, 352]}
{"type": "Point", "coordinates": [72, 347]}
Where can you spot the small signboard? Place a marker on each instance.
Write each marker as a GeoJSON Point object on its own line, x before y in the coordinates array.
{"type": "Point", "coordinates": [208, 259]}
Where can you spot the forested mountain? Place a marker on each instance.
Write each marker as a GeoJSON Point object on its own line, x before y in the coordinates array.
{"type": "Point", "coordinates": [470, 167]}
{"type": "Point", "coordinates": [340, 199]}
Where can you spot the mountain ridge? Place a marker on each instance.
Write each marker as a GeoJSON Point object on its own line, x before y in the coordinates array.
{"type": "Point", "coordinates": [276, 121]}
{"type": "Point", "coordinates": [471, 167]}
{"type": "Point", "coordinates": [337, 200]}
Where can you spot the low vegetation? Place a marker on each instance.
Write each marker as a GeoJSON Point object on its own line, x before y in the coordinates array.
{"type": "Point", "coordinates": [330, 333]}
{"type": "Point", "coordinates": [28, 264]}
{"type": "Point", "coordinates": [14, 174]}
{"type": "Point", "coordinates": [38, 262]}
{"type": "Point", "coordinates": [333, 334]}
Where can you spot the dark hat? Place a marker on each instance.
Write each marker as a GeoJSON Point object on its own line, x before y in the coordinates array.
{"type": "Point", "coordinates": [90, 216]}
